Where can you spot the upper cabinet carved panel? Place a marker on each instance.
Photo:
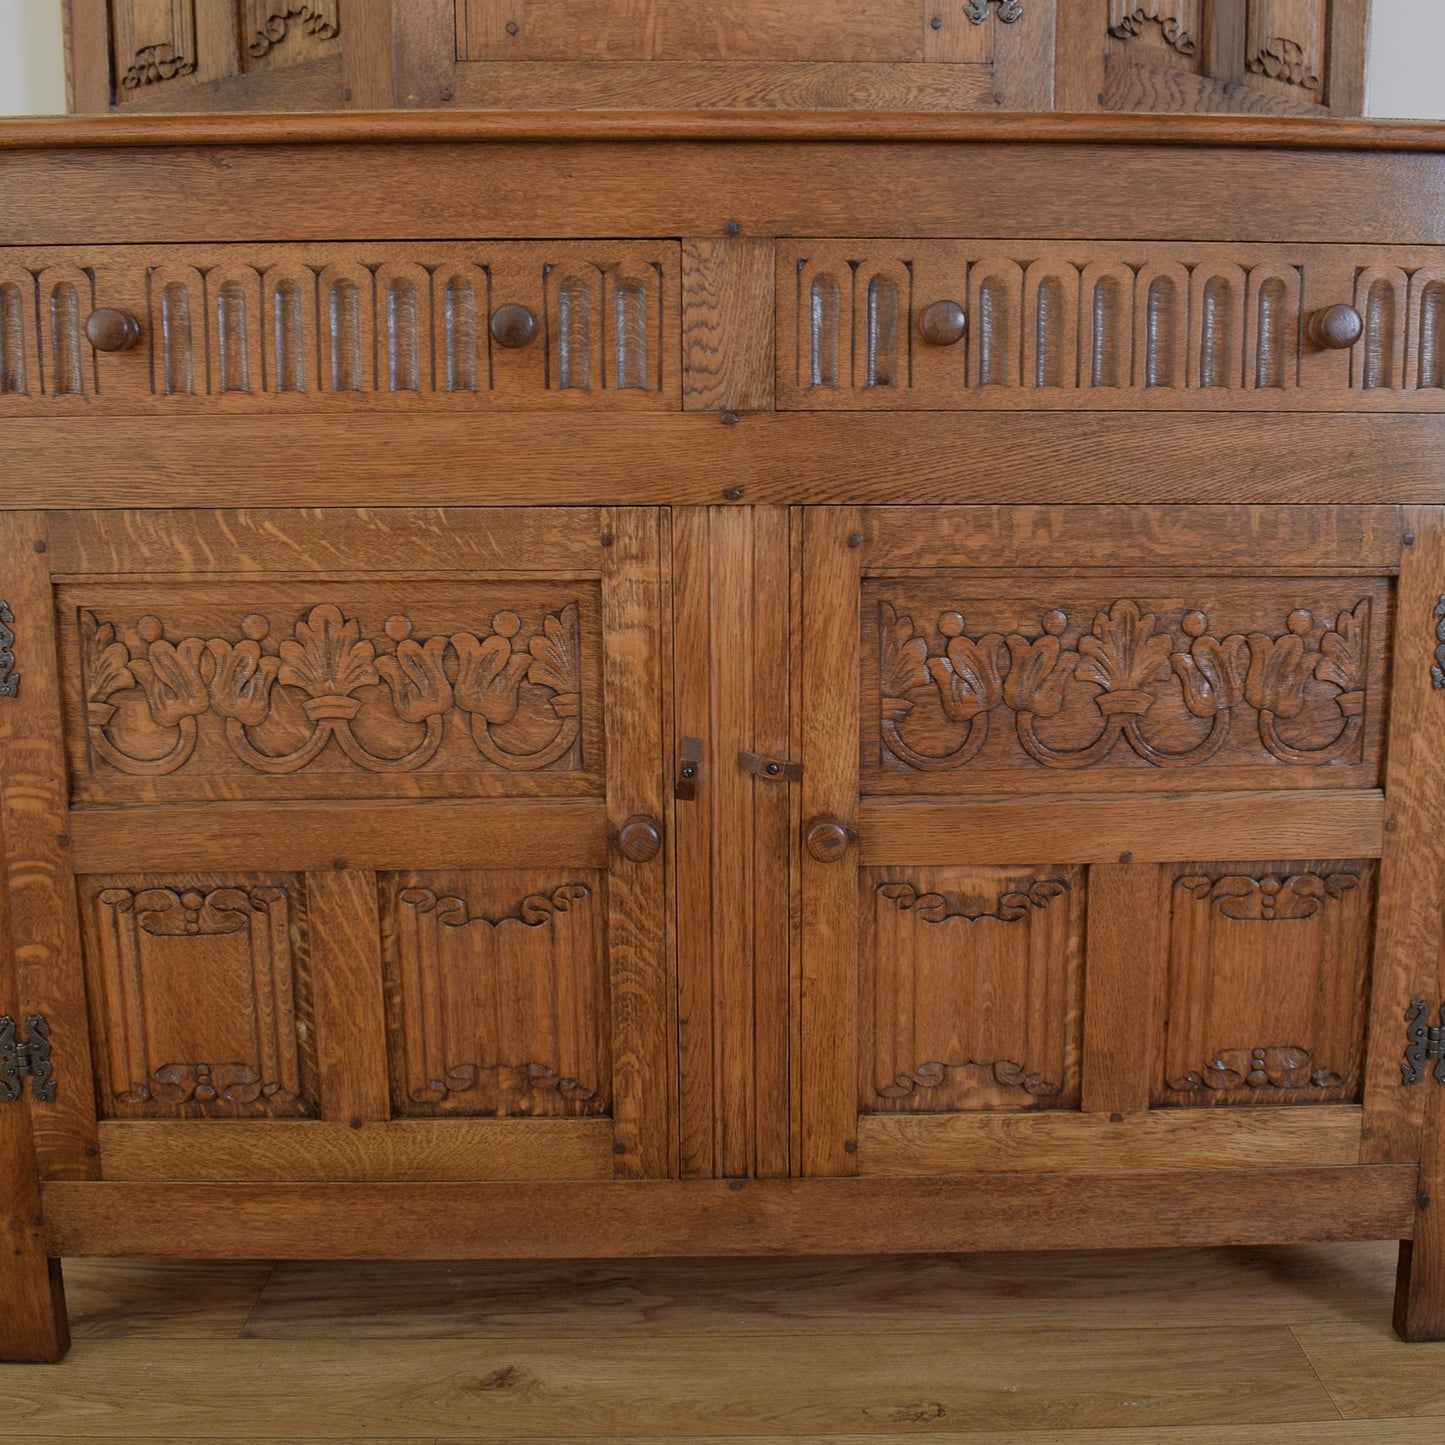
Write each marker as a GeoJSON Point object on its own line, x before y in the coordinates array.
{"type": "Point", "coordinates": [944, 324]}
{"type": "Point", "coordinates": [590, 324]}
{"type": "Point", "coordinates": [334, 690]}
{"type": "Point", "coordinates": [1215, 683]}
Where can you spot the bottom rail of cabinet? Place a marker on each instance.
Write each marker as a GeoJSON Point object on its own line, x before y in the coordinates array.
{"type": "Point", "coordinates": [644, 1218]}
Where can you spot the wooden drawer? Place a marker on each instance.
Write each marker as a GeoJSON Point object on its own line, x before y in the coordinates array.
{"type": "Point", "coordinates": [1097, 325]}
{"type": "Point", "coordinates": [301, 327]}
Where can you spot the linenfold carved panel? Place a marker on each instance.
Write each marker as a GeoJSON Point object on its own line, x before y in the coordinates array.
{"type": "Point", "coordinates": [970, 988]}
{"type": "Point", "coordinates": [1213, 683]}
{"type": "Point", "coordinates": [155, 41]}
{"type": "Point", "coordinates": [1267, 980]}
{"type": "Point", "coordinates": [496, 991]}
{"type": "Point", "coordinates": [333, 690]}
{"type": "Point", "coordinates": [198, 996]}
{"type": "Point", "coordinates": [270, 22]}
{"type": "Point", "coordinates": [1178, 21]}
{"type": "Point", "coordinates": [1286, 42]}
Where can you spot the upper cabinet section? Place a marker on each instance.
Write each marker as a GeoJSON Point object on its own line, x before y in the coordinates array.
{"type": "Point", "coordinates": [1250, 56]}
{"type": "Point", "coordinates": [987, 325]}
{"type": "Point", "coordinates": [589, 324]}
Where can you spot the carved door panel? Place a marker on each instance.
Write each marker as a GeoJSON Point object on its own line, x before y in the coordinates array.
{"type": "Point", "coordinates": [1158, 325]}
{"type": "Point", "coordinates": [366, 828]}
{"type": "Point", "coordinates": [1093, 820]}
{"type": "Point", "coordinates": [736, 55]}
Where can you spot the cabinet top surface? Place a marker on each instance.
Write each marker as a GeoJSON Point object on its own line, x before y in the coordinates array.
{"type": "Point", "coordinates": [488, 126]}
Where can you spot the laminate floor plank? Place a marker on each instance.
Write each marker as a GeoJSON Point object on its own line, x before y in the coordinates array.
{"type": "Point", "coordinates": [1134, 1290]}
{"type": "Point", "coordinates": [868, 1383]}
{"type": "Point", "coordinates": [115, 1298]}
{"type": "Point", "coordinates": [1368, 1373]}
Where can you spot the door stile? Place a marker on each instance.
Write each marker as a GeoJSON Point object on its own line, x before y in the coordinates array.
{"type": "Point", "coordinates": [1407, 957]}
{"type": "Point", "coordinates": [34, 823]}
{"type": "Point", "coordinates": [832, 581]}
{"type": "Point", "coordinates": [643, 997]}
{"type": "Point", "coordinates": [732, 841]}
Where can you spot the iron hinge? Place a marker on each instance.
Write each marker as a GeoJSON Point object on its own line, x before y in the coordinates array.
{"type": "Point", "coordinates": [777, 770]}
{"type": "Point", "coordinates": [9, 678]}
{"type": "Point", "coordinates": [26, 1059]}
{"type": "Point", "coordinates": [1426, 1041]}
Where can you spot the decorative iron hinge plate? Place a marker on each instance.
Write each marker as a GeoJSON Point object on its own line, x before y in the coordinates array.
{"type": "Point", "coordinates": [1437, 671]}
{"type": "Point", "coordinates": [777, 770]}
{"type": "Point", "coordinates": [26, 1059]}
{"type": "Point", "coordinates": [1426, 1042]}
{"type": "Point", "coordinates": [1008, 10]}
{"type": "Point", "coordinates": [9, 678]}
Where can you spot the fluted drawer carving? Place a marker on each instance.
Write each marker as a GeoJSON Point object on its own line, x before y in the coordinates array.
{"type": "Point", "coordinates": [302, 326]}
{"type": "Point", "coordinates": [1213, 682]}
{"type": "Point", "coordinates": [335, 690]}
{"type": "Point", "coordinates": [1095, 324]}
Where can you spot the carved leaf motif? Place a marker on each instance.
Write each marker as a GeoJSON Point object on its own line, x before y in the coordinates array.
{"type": "Point", "coordinates": [271, 22]}
{"type": "Point", "coordinates": [1177, 19]}
{"type": "Point", "coordinates": [1270, 899]}
{"type": "Point", "coordinates": [1010, 907]}
{"type": "Point", "coordinates": [556, 661]}
{"type": "Point", "coordinates": [1279, 670]}
{"type": "Point", "coordinates": [1004, 1072]}
{"type": "Point", "coordinates": [170, 677]}
{"type": "Point", "coordinates": [967, 675]}
{"type": "Point", "coordinates": [903, 659]}
{"type": "Point", "coordinates": [1342, 653]}
{"type": "Point", "coordinates": [330, 660]}
{"type": "Point", "coordinates": [1039, 672]}
{"type": "Point", "coordinates": [533, 911]}
{"type": "Point", "coordinates": [489, 677]}
{"type": "Point", "coordinates": [204, 1083]}
{"type": "Point", "coordinates": [1277, 1067]}
{"type": "Point", "coordinates": [107, 662]}
{"type": "Point", "coordinates": [417, 679]}
{"type": "Point", "coordinates": [242, 681]}
{"type": "Point", "coordinates": [1212, 673]}
{"type": "Point", "coordinates": [1125, 652]}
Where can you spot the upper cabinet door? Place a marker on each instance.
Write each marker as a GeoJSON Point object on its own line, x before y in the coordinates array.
{"type": "Point", "coordinates": [962, 55]}
{"type": "Point", "coordinates": [369, 866]}
{"type": "Point", "coordinates": [1094, 809]}
{"type": "Point", "coordinates": [1096, 325]}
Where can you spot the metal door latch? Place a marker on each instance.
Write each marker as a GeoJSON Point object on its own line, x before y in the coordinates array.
{"type": "Point", "coordinates": [685, 789]}
{"type": "Point", "coordinates": [773, 769]}
{"type": "Point", "coordinates": [1426, 1043]}
{"type": "Point", "coordinates": [26, 1059]}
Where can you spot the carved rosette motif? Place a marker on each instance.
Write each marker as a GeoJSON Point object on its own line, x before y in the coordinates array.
{"type": "Point", "coordinates": [328, 675]}
{"type": "Point", "coordinates": [124, 919]}
{"type": "Point", "coordinates": [1125, 659]}
{"type": "Point", "coordinates": [1177, 19]}
{"type": "Point", "coordinates": [269, 23]}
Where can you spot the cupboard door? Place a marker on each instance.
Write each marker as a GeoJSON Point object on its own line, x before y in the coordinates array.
{"type": "Point", "coordinates": [366, 822]}
{"type": "Point", "coordinates": [1094, 803]}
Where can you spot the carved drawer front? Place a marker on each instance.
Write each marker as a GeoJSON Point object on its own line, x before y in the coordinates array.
{"type": "Point", "coordinates": [1266, 980]}
{"type": "Point", "coordinates": [497, 993]}
{"type": "Point", "coordinates": [1041, 685]}
{"type": "Point", "coordinates": [324, 689]}
{"type": "Point", "coordinates": [971, 984]}
{"type": "Point", "coordinates": [199, 995]}
{"type": "Point", "coordinates": [943, 324]}
{"type": "Point", "coordinates": [404, 325]}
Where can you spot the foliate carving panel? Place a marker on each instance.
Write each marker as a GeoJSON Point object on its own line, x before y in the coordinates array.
{"type": "Point", "coordinates": [290, 691]}
{"type": "Point", "coordinates": [271, 22]}
{"type": "Point", "coordinates": [1286, 43]}
{"type": "Point", "coordinates": [1215, 683]}
{"type": "Point", "coordinates": [1178, 22]}
{"type": "Point", "coordinates": [496, 992]}
{"type": "Point", "coordinates": [1268, 969]}
{"type": "Point", "coordinates": [970, 984]}
{"type": "Point", "coordinates": [198, 996]}
{"type": "Point", "coordinates": [155, 41]}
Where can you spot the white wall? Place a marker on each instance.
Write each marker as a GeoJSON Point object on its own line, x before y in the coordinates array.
{"type": "Point", "coordinates": [1406, 77]}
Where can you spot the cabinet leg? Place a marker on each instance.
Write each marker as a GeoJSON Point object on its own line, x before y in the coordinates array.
{"type": "Point", "coordinates": [34, 1328]}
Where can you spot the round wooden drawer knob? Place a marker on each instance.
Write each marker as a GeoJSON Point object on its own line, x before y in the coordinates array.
{"type": "Point", "coordinates": [944, 323]}
{"type": "Point", "coordinates": [513, 325]}
{"type": "Point", "coordinates": [828, 839]}
{"type": "Point", "coordinates": [640, 838]}
{"type": "Point", "coordinates": [1337, 328]}
{"type": "Point", "coordinates": [109, 330]}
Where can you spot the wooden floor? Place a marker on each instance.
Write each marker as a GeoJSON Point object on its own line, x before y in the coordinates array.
{"type": "Point", "coordinates": [1233, 1347]}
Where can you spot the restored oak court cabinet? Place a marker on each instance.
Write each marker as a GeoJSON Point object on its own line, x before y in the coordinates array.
{"type": "Point", "coordinates": [584, 687]}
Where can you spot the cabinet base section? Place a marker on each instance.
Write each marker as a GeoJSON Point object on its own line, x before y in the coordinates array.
{"type": "Point", "coordinates": [629, 1219]}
